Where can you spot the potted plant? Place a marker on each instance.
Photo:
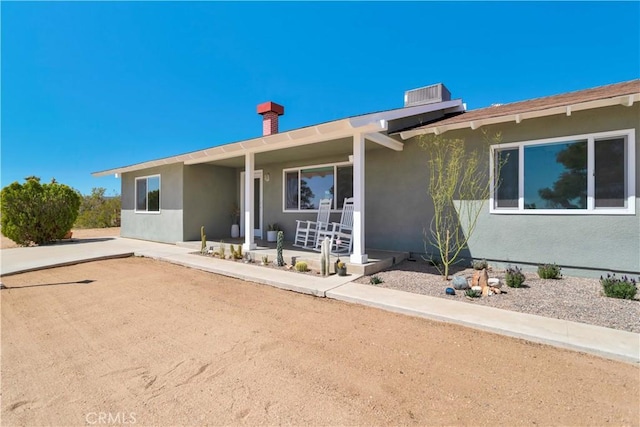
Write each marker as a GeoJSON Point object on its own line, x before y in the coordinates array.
{"type": "Point", "coordinates": [235, 220]}
{"type": "Point", "coordinates": [341, 268]}
{"type": "Point", "coordinates": [272, 232]}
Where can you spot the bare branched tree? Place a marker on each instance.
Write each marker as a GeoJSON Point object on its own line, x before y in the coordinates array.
{"type": "Point", "coordinates": [459, 186]}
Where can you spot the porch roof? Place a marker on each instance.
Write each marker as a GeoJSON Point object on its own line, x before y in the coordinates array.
{"type": "Point", "coordinates": [625, 93]}
{"type": "Point", "coordinates": [373, 126]}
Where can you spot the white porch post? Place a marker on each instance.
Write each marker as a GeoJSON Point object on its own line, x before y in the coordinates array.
{"type": "Point", "coordinates": [358, 256]}
{"type": "Point", "coordinates": [249, 165]}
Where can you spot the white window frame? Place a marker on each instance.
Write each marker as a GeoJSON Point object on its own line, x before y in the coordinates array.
{"type": "Point", "coordinates": [299, 170]}
{"type": "Point", "coordinates": [135, 194]}
{"type": "Point", "coordinates": [630, 209]}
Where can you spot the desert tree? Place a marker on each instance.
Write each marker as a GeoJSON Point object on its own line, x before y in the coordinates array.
{"type": "Point", "coordinates": [97, 210]}
{"type": "Point", "coordinates": [459, 187]}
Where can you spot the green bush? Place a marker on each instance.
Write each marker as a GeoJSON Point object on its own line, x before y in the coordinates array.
{"type": "Point", "coordinates": [623, 288]}
{"type": "Point", "coordinates": [38, 213]}
{"type": "Point", "coordinates": [549, 271]}
{"type": "Point", "coordinates": [479, 264]}
{"type": "Point", "coordinates": [301, 266]}
{"type": "Point", "coordinates": [471, 293]}
{"type": "Point", "coordinates": [376, 280]}
{"type": "Point", "coordinates": [514, 277]}
{"type": "Point", "coordinates": [98, 210]}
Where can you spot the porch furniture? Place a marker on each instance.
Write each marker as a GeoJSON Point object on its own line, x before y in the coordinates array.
{"type": "Point", "coordinates": [340, 234]}
{"type": "Point", "coordinates": [307, 231]}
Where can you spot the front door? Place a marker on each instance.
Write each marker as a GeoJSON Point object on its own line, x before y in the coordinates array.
{"type": "Point", "coordinates": [257, 203]}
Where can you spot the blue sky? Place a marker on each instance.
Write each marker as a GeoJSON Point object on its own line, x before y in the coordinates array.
{"type": "Point", "coordinates": [88, 86]}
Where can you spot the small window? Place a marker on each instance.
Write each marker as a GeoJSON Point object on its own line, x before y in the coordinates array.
{"type": "Point", "coordinates": [610, 173]}
{"type": "Point", "coordinates": [588, 174]}
{"type": "Point", "coordinates": [507, 194]}
{"type": "Point", "coordinates": [148, 194]}
{"type": "Point", "coordinates": [305, 187]}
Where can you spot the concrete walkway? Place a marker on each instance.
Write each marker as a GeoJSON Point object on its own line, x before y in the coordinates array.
{"type": "Point", "coordinates": [610, 343]}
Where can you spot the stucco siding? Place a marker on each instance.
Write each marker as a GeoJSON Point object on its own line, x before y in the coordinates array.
{"type": "Point", "coordinates": [209, 194]}
{"type": "Point", "coordinates": [397, 208]}
{"type": "Point", "coordinates": [595, 243]}
{"type": "Point", "coordinates": [164, 226]}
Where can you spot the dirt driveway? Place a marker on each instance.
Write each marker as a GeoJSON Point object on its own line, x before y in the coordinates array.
{"type": "Point", "coordinates": [137, 341]}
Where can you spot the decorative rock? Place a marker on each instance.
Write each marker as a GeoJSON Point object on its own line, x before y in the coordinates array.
{"type": "Point", "coordinates": [450, 291]}
{"type": "Point", "coordinates": [485, 291]}
{"type": "Point", "coordinates": [495, 283]}
{"type": "Point", "coordinates": [476, 288]}
{"type": "Point", "coordinates": [459, 283]}
{"type": "Point", "coordinates": [475, 280]}
{"type": "Point", "coordinates": [483, 281]}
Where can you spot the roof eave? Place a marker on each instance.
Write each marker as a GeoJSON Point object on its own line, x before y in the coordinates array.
{"type": "Point", "coordinates": [626, 100]}
{"type": "Point", "coordinates": [294, 138]}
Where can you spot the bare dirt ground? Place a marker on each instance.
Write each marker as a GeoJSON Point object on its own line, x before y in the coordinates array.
{"type": "Point", "coordinates": [150, 343]}
{"type": "Point", "coordinates": [78, 233]}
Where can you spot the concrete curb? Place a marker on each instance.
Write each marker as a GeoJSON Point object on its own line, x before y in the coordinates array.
{"type": "Point", "coordinates": [604, 342]}
{"type": "Point", "coordinates": [67, 263]}
{"type": "Point", "coordinates": [283, 280]}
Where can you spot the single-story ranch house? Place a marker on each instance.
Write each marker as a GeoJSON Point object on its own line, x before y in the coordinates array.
{"type": "Point", "coordinates": [585, 140]}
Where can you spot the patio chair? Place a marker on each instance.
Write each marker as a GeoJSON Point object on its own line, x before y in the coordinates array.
{"type": "Point", "coordinates": [340, 234]}
{"type": "Point", "coordinates": [307, 231]}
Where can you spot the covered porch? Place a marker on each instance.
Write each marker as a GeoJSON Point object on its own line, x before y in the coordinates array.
{"type": "Point", "coordinates": [277, 161]}
{"type": "Point", "coordinates": [378, 260]}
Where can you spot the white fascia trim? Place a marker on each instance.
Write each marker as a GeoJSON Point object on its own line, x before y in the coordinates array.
{"type": "Point", "coordinates": [323, 132]}
{"type": "Point", "coordinates": [320, 133]}
{"type": "Point", "coordinates": [448, 107]}
{"type": "Point", "coordinates": [626, 100]}
{"type": "Point", "coordinates": [385, 141]}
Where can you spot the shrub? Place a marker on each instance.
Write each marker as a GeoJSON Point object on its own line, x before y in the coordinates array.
{"type": "Point", "coordinates": [376, 280]}
{"type": "Point", "coordinates": [472, 293]}
{"type": "Point", "coordinates": [301, 266]}
{"type": "Point", "coordinates": [514, 277]}
{"type": "Point", "coordinates": [549, 271]}
{"type": "Point", "coordinates": [479, 264]}
{"type": "Point", "coordinates": [38, 213]}
{"type": "Point", "coordinates": [98, 210]}
{"type": "Point", "coordinates": [623, 288]}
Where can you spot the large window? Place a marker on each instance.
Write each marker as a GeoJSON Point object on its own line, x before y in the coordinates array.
{"type": "Point", "coordinates": [148, 194]}
{"type": "Point", "coordinates": [305, 187]}
{"type": "Point", "coordinates": [580, 174]}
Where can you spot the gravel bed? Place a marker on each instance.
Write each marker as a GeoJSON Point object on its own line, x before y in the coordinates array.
{"type": "Point", "coordinates": [569, 298]}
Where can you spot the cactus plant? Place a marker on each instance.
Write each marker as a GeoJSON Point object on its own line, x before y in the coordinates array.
{"type": "Point", "coordinates": [238, 253]}
{"type": "Point", "coordinates": [222, 250]}
{"type": "Point", "coordinates": [280, 242]}
{"type": "Point", "coordinates": [203, 237]}
{"type": "Point", "coordinates": [301, 266]}
{"type": "Point", "coordinates": [324, 256]}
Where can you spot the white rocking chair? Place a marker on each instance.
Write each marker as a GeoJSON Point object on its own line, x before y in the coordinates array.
{"type": "Point", "coordinates": [307, 231]}
{"type": "Point", "coordinates": [340, 234]}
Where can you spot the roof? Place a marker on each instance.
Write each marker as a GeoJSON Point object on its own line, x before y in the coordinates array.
{"type": "Point", "coordinates": [625, 93]}
{"type": "Point", "coordinates": [371, 125]}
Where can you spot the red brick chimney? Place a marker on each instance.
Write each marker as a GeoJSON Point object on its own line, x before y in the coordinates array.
{"type": "Point", "coordinates": [270, 112]}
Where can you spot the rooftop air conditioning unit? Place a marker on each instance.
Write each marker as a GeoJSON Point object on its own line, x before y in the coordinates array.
{"type": "Point", "coordinates": [426, 95]}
